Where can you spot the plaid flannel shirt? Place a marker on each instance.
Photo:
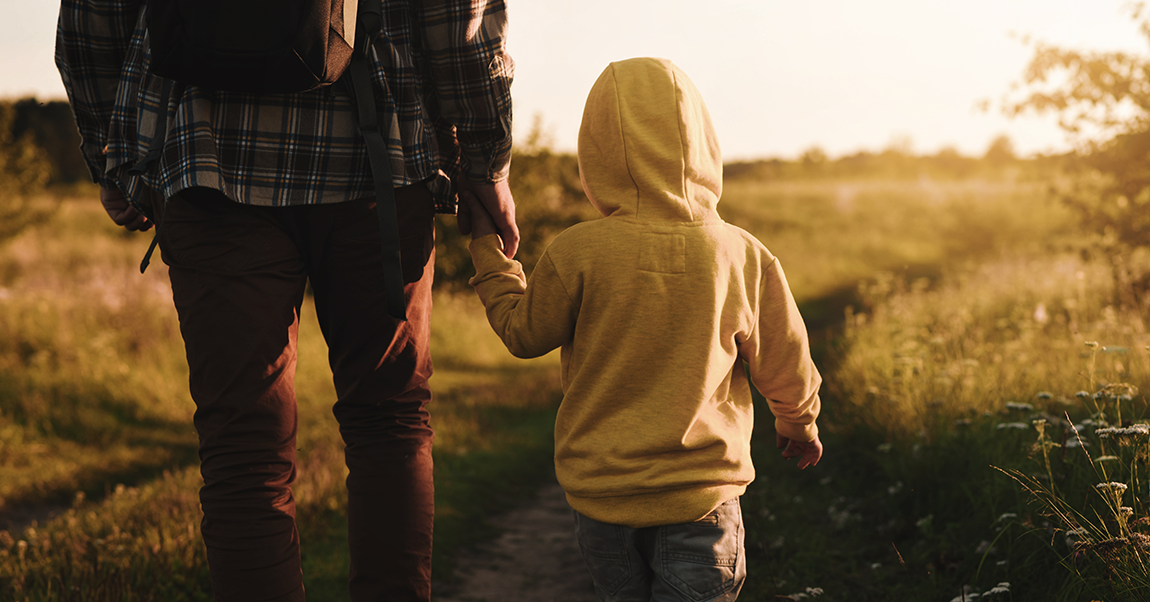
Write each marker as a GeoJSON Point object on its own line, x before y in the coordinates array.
{"type": "Point", "coordinates": [447, 78]}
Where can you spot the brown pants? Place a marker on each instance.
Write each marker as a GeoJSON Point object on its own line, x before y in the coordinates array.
{"type": "Point", "coordinates": [238, 276]}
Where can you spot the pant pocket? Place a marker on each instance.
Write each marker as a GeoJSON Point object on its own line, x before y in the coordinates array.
{"type": "Point", "coordinates": [604, 550]}
{"type": "Point", "coordinates": [703, 560]}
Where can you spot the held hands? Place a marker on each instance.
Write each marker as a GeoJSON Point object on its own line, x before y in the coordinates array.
{"type": "Point", "coordinates": [488, 208]}
{"type": "Point", "coordinates": [122, 212]}
{"type": "Point", "coordinates": [808, 452]}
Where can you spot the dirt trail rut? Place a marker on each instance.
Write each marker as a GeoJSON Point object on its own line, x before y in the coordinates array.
{"type": "Point", "coordinates": [534, 559]}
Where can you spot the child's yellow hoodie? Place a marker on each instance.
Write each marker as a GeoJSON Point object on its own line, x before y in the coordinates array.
{"type": "Point", "coordinates": [655, 307]}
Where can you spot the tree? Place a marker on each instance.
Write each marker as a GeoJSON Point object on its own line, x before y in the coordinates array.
{"type": "Point", "coordinates": [23, 172]}
{"type": "Point", "coordinates": [1001, 150]}
{"type": "Point", "coordinates": [1102, 100]}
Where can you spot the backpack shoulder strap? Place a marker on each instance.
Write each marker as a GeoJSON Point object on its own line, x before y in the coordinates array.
{"type": "Point", "coordinates": [358, 77]}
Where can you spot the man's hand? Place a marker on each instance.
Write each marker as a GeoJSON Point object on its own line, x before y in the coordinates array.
{"type": "Point", "coordinates": [122, 212]}
{"type": "Point", "coordinates": [808, 452]}
{"type": "Point", "coordinates": [494, 200]}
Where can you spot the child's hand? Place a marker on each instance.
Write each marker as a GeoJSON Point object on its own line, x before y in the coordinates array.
{"type": "Point", "coordinates": [488, 208]}
{"type": "Point", "coordinates": [481, 222]}
{"type": "Point", "coordinates": [808, 452]}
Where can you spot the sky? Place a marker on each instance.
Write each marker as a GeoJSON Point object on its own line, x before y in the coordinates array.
{"type": "Point", "coordinates": [778, 77]}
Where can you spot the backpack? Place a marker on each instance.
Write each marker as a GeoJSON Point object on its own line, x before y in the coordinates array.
{"type": "Point", "coordinates": [278, 46]}
{"type": "Point", "coordinates": [258, 46]}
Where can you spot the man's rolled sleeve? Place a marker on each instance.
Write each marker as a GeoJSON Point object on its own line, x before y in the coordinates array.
{"type": "Point", "coordinates": [465, 45]}
{"type": "Point", "coordinates": [92, 40]}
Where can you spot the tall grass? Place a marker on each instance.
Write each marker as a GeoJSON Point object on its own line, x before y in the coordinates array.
{"type": "Point", "coordinates": [98, 469]}
{"type": "Point", "coordinates": [830, 234]}
{"type": "Point", "coordinates": [93, 395]}
{"type": "Point", "coordinates": [944, 390]}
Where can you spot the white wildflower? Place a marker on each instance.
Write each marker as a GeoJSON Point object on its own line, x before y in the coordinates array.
{"type": "Point", "coordinates": [1021, 407]}
{"type": "Point", "coordinates": [1012, 425]}
{"type": "Point", "coordinates": [1134, 430]}
{"type": "Point", "coordinates": [1001, 588]}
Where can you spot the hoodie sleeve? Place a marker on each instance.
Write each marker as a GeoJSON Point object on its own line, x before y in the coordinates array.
{"type": "Point", "coordinates": [533, 316]}
{"type": "Point", "coordinates": [778, 354]}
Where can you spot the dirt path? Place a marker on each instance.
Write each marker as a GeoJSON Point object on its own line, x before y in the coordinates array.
{"type": "Point", "coordinates": [535, 559]}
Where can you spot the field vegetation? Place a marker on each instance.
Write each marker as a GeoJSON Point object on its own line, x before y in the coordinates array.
{"type": "Point", "coordinates": [99, 471]}
{"type": "Point", "coordinates": [979, 321]}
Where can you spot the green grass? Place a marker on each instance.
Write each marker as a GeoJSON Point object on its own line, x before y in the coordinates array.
{"type": "Point", "coordinates": [95, 426]}
{"type": "Point", "coordinates": [944, 331]}
{"type": "Point", "coordinates": [934, 398]}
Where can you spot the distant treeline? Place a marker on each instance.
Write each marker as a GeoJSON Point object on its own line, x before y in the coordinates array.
{"type": "Point", "coordinates": [52, 129]}
{"type": "Point", "coordinates": [894, 163]}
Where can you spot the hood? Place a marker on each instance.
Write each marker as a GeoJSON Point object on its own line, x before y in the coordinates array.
{"type": "Point", "coordinates": [647, 148]}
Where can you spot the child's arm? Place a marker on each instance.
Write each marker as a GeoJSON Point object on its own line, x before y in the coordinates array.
{"type": "Point", "coordinates": [778, 354]}
{"type": "Point", "coordinates": [531, 317]}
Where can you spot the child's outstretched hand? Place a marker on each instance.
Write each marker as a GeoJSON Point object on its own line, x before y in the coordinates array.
{"type": "Point", "coordinates": [808, 452]}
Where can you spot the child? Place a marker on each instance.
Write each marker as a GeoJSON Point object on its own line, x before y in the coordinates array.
{"type": "Point", "coordinates": [656, 307]}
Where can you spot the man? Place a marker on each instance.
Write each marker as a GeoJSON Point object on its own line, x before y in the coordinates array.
{"type": "Point", "coordinates": [256, 195]}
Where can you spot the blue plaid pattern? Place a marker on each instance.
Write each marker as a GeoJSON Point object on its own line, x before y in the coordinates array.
{"type": "Point", "coordinates": [441, 65]}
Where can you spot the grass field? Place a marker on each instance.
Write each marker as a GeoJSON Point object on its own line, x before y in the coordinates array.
{"type": "Point", "coordinates": [947, 318]}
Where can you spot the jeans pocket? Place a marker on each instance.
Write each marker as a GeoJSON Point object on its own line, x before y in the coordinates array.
{"type": "Point", "coordinates": [604, 550]}
{"type": "Point", "coordinates": [701, 560]}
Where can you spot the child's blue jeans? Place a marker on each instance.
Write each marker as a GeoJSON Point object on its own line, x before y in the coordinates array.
{"type": "Point", "coordinates": [701, 561]}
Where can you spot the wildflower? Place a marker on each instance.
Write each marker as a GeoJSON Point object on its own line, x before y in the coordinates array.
{"type": "Point", "coordinates": [1012, 425]}
{"type": "Point", "coordinates": [1106, 459]}
{"type": "Point", "coordinates": [1044, 395]}
{"type": "Point", "coordinates": [1006, 516]}
{"type": "Point", "coordinates": [962, 422]}
{"type": "Point", "coordinates": [1001, 588]}
{"type": "Point", "coordinates": [1109, 547]}
{"type": "Point", "coordinates": [1020, 407]}
{"type": "Point", "coordinates": [984, 548]}
{"type": "Point", "coordinates": [1092, 344]}
{"type": "Point", "coordinates": [968, 595]}
{"type": "Point", "coordinates": [1082, 395]}
{"type": "Point", "coordinates": [1114, 349]}
{"type": "Point", "coordinates": [1141, 540]}
{"type": "Point", "coordinates": [1112, 486]}
{"type": "Point", "coordinates": [1123, 391]}
{"type": "Point", "coordinates": [1112, 491]}
{"type": "Point", "coordinates": [1121, 434]}
{"type": "Point", "coordinates": [1125, 512]}
{"type": "Point", "coordinates": [1075, 537]}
